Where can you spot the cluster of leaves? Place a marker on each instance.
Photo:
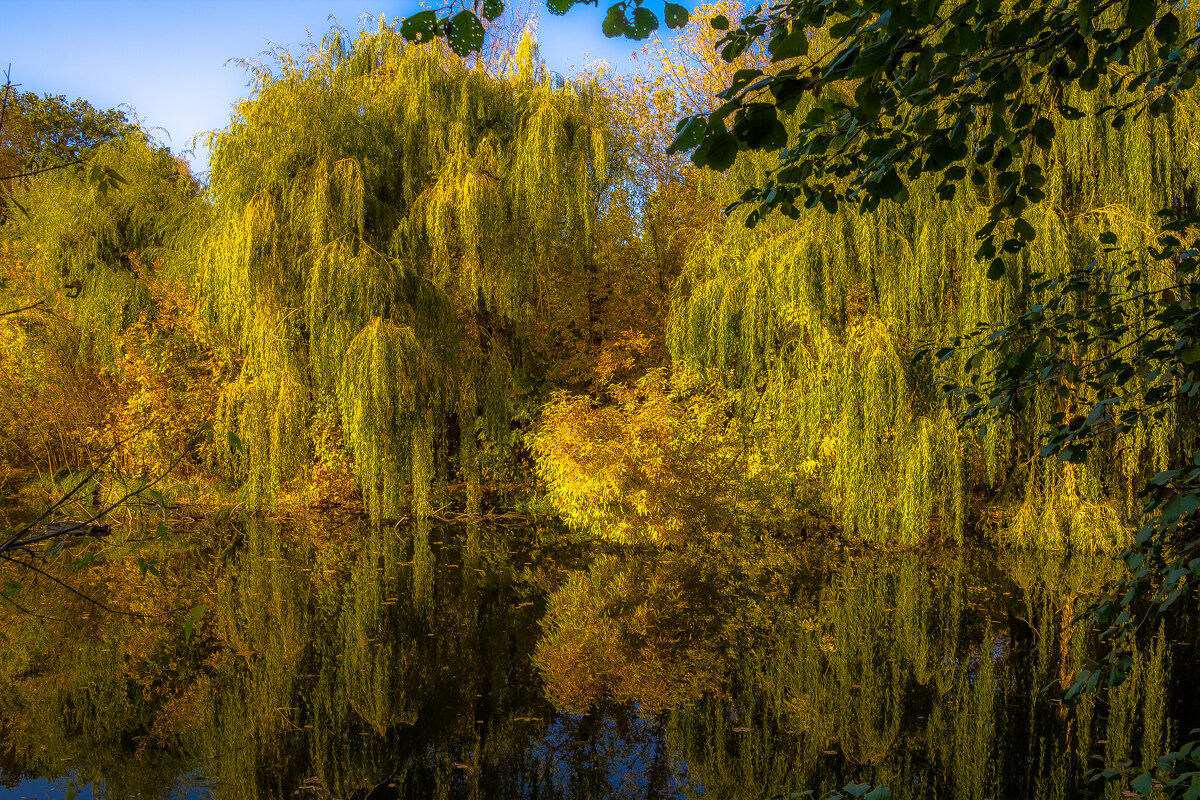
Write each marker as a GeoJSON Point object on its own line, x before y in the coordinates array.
{"type": "Point", "coordinates": [40, 132]}
{"type": "Point", "coordinates": [464, 31]}
{"type": "Point", "coordinates": [1146, 333]}
{"type": "Point", "coordinates": [941, 89]}
{"type": "Point", "coordinates": [1175, 776]}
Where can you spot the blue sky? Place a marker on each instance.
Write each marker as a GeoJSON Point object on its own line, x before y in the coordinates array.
{"type": "Point", "coordinates": [167, 59]}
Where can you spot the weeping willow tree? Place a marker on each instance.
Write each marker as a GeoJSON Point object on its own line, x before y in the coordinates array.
{"type": "Point", "coordinates": [815, 321]}
{"type": "Point", "coordinates": [388, 220]}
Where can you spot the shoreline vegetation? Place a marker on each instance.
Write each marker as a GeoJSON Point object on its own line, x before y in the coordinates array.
{"type": "Point", "coordinates": [422, 285]}
{"type": "Point", "coordinates": [455, 385]}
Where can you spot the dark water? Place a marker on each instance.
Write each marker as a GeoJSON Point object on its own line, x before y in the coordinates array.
{"type": "Point", "coordinates": [504, 662]}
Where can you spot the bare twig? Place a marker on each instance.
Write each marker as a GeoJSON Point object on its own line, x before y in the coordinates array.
{"type": "Point", "coordinates": [22, 308]}
{"type": "Point", "coordinates": [23, 540]}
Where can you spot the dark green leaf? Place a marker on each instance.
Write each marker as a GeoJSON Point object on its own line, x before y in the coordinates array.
{"type": "Point", "coordinates": [614, 21]}
{"type": "Point", "coordinates": [420, 27]}
{"type": "Point", "coordinates": [1142, 784]}
{"type": "Point", "coordinates": [717, 151]}
{"type": "Point", "coordinates": [190, 623]}
{"type": "Point", "coordinates": [1167, 29]}
{"type": "Point", "coordinates": [645, 22]}
{"type": "Point", "coordinates": [761, 130]}
{"type": "Point", "coordinates": [676, 16]}
{"type": "Point", "coordinates": [492, 9]}
{"type": "Point", "coordinates": [688, 134]}
{"type": "Point", "coordinates": [1139, 14]}
{"type": "Point", "coordinates": [465, 33]}
{"type": "Point", "coordinates": [888, 184]}
{"type": "Point", "coordinates": [790, 42]}
{"type": "Point", "coordinates": [1086, 8]}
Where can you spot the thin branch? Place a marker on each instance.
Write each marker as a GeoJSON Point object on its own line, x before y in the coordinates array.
{"type": "Point", "coordinates": [41, 170]}
{"type": "Point", "coordinates": [8, 87]}
{"type": "Point", "coordinates": [25, 610]}
{"type": "Point", "coordinates": [23, 308]}
{"type": "Point", "coordinates": [91, 474]}
{"type": "Point", "coordinates": [67, 586]}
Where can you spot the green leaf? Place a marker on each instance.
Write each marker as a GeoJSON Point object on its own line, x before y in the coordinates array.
{"type": "Point", "coordinates": [420, 27]}
{"type": "Point", "coordinates": [465, 33]}
{"type": "Point", "coordinates": [719, 23]}
{"type": "Point", "coordinates": [889, 185]}
{"type": "Point", "coordinates": [761, 130]}
{"type": "Point", "coordinates": [492, 9]}
{"type": "Point", "coordinates": [645, 22]}
{"type": "Point", "coordinates": [614, 21]}
{"type": "Point", "coordinates": [879, 793]}
{"type": "Point", "coordinates": [829, 201]}
{"type": "Point", "coordinates": [189, 625]}
{"type": "Point", "coordinates": [856, 789]}
{"type": "Point", "coordinates": [1024, 229]}
{"type": "Point", "coordinates": [790, 42]}
{"type": "Point", "coordinates": [688, 134]}
{"type": "Point", "coordinates": [116, 176]}
{"type": "Point", "coordinates": [1043, 133]}
{"type": "Point", "coordinates": [1142, 784]}
{"type": "Point", "coordinates": [1086, 8]}
{"type": "Point", "coordinates": [1139, 14]}
{"type": "Point", "coordinates": [559, 7]}
{"type": "Point", "coordinates": [676, 16]}
{"type": "Point", "coordinates": [718, 151]}
{"type": "Point", "coordinates": [235, 444]}
{"type": "Point", "coordinates": [1167, 29]}
{"type": "Point", "coordinates": [996, 270]}
{"type": "Point", "coordinates": [1191, 355]}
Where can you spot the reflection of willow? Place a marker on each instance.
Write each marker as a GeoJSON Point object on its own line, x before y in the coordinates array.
{"type": "Point", "coordinates": [343, 667]}
{"type": "Point", "coordinates": [923, 673]}
{"type": "Point", "coordinates": [81, 695]}
{"type": "Point", "coordinates": [390, 674]}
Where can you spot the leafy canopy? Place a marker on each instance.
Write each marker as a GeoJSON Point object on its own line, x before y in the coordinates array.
{"type": "Point", "coordinates": [40, 132]}
{"type": "Point", "coordinates": [388, 221]}
{"type": "Point", "coordinates": [976, 90]}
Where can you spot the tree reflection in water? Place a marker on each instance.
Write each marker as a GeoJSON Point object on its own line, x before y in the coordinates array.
{"type": "Point", "coordinates": [432, 662]}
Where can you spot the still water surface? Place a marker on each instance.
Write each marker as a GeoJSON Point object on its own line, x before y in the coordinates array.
{"type": "Point", "coordinates": [490, 662]}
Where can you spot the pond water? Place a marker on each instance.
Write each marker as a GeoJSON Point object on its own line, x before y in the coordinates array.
{"type": "Point", "coordinates": [505, 662]}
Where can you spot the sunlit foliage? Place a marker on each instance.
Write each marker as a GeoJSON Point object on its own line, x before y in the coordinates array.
{"type": "Point", "coordinates": [665, 463]}
{"type": "Point", "coordinates": [388, 221]}
{"type": "Point", "coordinates": [110, 344]}
{"type": "Point", "coordinates": [815, 320]}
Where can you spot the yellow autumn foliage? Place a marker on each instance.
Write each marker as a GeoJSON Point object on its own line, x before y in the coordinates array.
{"type": "Point", "coordinates": [666, 459]}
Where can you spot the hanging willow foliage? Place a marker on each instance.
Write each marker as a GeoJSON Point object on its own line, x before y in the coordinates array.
{"type": "Point", "coordinates": [388, 221]}
{"type": "Point", "coordinates": [815, 319]}
{"type": "Point", "coordinates": [94, 248]}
